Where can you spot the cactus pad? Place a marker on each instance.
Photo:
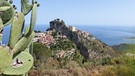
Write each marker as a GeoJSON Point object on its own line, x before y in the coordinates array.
{"type": "Point", "coordinates": [21, 64]}
{"type": "Point", "coordinates": [33, 18]}
{"type": "Point", "coordinates": [23, 43]}
{"type": "Point", "coordinates": [1, 24]}
{"type": "Point", "coordinates": [1, 1]}
{"type": "Point", "coordinates": [7, 15]}
{"type": "Point", "coordinates": [1, 28]}
{"type": "Point", "coordinates": [4, 8]}
{"type": "Point", "coordinates": [16, 29]}
{"type": "Point", "coordinates": [5, 57]}
{"type": "Point", "coordinates": [26, 7]}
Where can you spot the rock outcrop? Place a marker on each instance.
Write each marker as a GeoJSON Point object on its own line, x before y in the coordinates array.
{"type": "Point", "coordinates": [89, 46]}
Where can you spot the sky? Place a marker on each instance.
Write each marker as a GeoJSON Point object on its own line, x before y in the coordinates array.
{"type": "Point", "coordinates": [85, 12]}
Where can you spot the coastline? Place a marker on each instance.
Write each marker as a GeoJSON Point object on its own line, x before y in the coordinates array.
{"type": "Point", "coordinates": [109, 35]}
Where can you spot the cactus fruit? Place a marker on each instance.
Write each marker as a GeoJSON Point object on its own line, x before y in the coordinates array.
{"type": "Point", "coordinates": [5, 57]}
{"type": "Point", "coordinates": [33, 1]}
{"type": "Point", "coordinates": [11, 1]}
{"type": "Point", "coordinates": [20, 64]}
{"type": "Point", "coordinates": [16, 58]}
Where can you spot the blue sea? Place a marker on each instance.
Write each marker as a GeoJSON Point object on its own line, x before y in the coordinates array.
{"type": "Point", "coordinates": [110, 35]}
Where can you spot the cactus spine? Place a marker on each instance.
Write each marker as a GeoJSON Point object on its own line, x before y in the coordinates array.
{"type": "Point", "coordinates": [15, 58]}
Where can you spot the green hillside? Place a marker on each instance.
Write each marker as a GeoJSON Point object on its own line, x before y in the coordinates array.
{"type": "Point", "coordinates": [125, 48]}
{"type": "Point", "coordinates": [47, 62]}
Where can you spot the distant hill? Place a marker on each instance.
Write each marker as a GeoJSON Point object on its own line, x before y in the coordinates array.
{"type": "Point", "coordinates": [125, 47]}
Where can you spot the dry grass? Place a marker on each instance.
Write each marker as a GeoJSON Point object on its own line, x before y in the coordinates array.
{"type": "Point", "coordinates": [76, 71]}
{"type": "Point", "coordinates": [71, 68]}
{"type": "Point", "coordinates": [108, 71]}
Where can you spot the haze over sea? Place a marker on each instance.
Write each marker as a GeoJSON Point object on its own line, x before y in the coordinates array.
{"type": "Point", "coordinates": [111, 35]}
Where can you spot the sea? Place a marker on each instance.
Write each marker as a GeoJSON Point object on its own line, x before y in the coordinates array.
{"type": "Point", "coordinates": [109, 34]}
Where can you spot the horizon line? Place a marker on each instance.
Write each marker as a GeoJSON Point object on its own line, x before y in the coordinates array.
{"type": "Point", "coordinates": [91, 24]}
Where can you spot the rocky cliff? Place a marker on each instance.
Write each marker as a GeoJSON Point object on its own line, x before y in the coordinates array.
{"type": "Point", "coordinates": [89, 46]}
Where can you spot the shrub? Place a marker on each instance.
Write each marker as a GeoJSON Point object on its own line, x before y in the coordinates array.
{"type": "Point", "coordinates": [41, 51]}
{"type": "Point", "coordinates": [78, 57]}
{"type": "Point", "coordinates": [108, 71]}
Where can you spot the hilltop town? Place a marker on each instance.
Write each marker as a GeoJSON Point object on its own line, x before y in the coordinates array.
{"type": "Point", "coordinates": [53, 39]}
{"type": "Point", "coordinates": [60, 36]}
{"type": "Point", "coordinates": [47, 38]}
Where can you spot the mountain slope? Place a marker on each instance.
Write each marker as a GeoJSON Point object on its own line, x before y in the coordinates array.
{"type": "Point", "coordinates": [90, 47]}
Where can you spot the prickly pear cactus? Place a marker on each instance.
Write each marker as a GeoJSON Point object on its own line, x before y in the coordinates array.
{"type": "Point", "coordinates": [5, 57]}
{"type": "Point", "coordinates": [26, 62]}
{"type": "Point", "coordinates": [16, 58]}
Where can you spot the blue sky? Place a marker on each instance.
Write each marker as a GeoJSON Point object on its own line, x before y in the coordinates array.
{"type": "Point", "coordinates": [86, 12]}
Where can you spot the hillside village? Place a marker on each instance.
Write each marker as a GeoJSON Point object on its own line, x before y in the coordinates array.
{"type": "Point", "coordinates": [61, 43]}
{"type": "Point", "coordinates": [46, 38]}
{"type": "Point", "coordinates": [59, 33]}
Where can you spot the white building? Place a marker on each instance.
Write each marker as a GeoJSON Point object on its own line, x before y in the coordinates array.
{"type": "Point", "coordinates": [73, 28]}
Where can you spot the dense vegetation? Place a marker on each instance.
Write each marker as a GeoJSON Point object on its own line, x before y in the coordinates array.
{"type": "Point", "coordinates": [125, 47]}
{"type": "Point", "coordinates": [46, 58]}
{"type": "Point", "coordinates": [41, 51]}
{"type": "Point", "coordinates": [62, 45]}
{"type": "Point", "coordinates": [118, 66]}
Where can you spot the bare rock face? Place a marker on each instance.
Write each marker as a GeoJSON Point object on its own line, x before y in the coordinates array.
{"type": "Point", "coordinates": [90, 47]}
